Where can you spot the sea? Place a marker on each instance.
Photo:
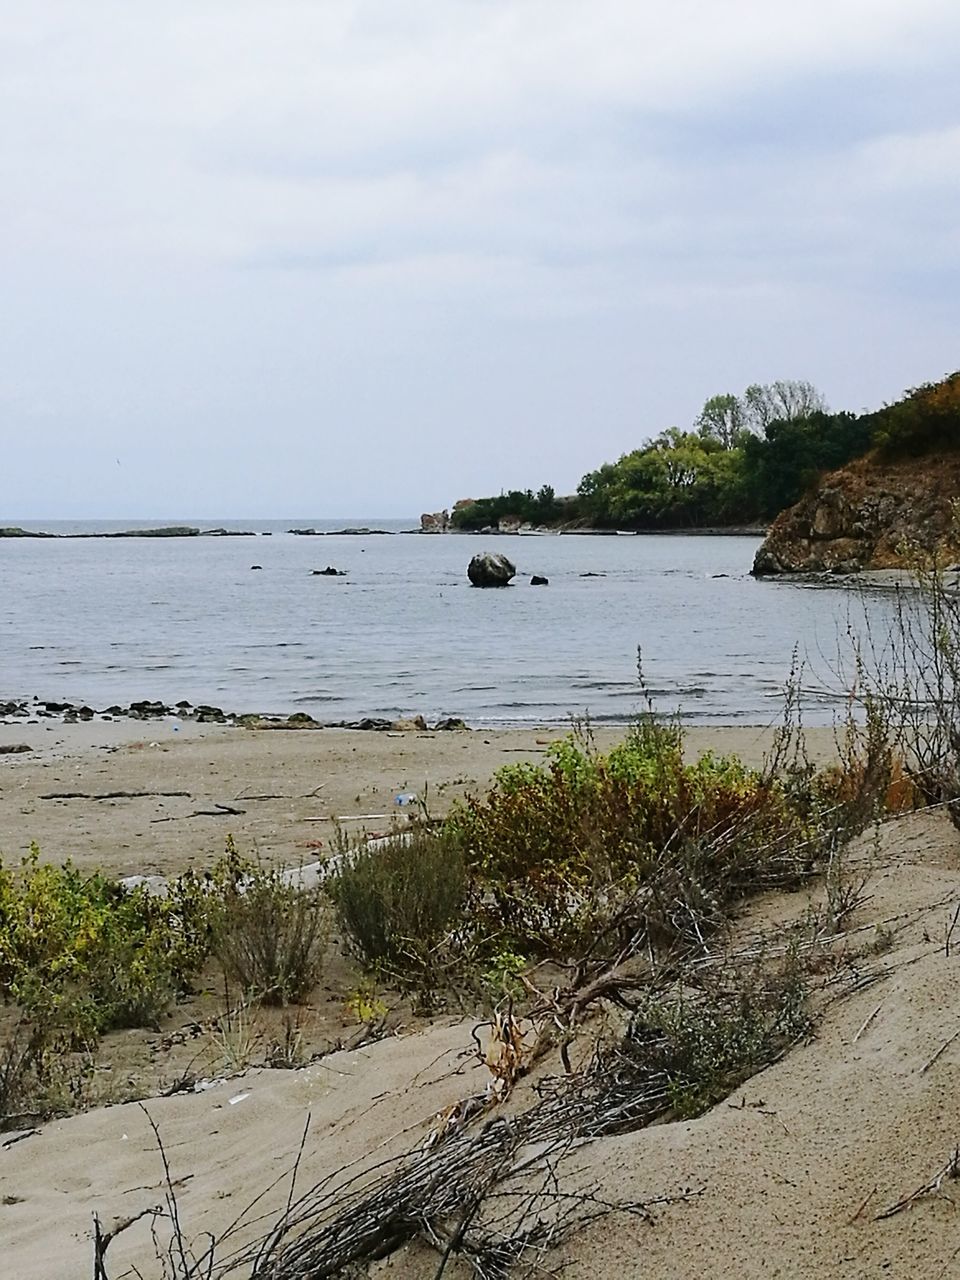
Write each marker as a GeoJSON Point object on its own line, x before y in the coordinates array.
{"type": "Point", "coordinates": [245, 624]}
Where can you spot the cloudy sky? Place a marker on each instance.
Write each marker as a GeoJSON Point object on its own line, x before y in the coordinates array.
{"type": "Point", "coordinates": [365, 257]}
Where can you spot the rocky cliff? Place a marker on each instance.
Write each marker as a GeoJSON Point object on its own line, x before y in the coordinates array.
{"type": "Point", "coordinates": [866, 516]}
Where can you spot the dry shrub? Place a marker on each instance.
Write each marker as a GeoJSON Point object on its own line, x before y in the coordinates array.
{"type": "Point", "coordinates": [702, 1044]}
{"type": "Point", "coordinates": [269, 935]}
{"type": "Point", "coordinates": [22, 1068]}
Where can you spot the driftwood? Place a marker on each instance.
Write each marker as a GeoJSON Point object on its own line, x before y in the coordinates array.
{"type": "Point", "coordinates": [218, 811]}
{"type": "Point", "coordinates": [932, 1188]}
{"type": "Point", "coordinates": [110, 795]}
{"type": "Point", "coordinates": [488, 1195]}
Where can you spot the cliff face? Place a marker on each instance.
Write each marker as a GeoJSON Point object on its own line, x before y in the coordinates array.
{"type": "Point", "coordinates": [864, 515]}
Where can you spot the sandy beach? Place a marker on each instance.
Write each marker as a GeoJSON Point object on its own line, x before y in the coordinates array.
{"type": "Point", "coordinates": [787, 1178]}
{"type": "Point", "coordinates": [279, 790]}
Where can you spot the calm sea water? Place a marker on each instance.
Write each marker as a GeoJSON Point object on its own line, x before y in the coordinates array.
{"type": "Point", "coordinates": [103, 621]}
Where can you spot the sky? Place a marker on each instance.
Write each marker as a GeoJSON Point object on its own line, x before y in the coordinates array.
{"type": "Point", "coordinates": [367, 257]}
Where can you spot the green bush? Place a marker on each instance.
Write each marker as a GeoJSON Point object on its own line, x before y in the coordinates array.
{"type": "Point", "coordinates": [396, 902]}
{"type": "Point", "coordinates": [86, 953]}
{"type": "Point", "coordinates": [554, 852]}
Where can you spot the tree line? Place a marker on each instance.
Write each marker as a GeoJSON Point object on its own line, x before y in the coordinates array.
{"type": "Point", "coordinates": [745, 458]}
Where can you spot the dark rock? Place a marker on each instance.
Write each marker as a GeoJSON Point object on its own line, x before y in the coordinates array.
{"type": "Point", "coordinates": [114, 711]}
{"type": "Point", "coordinates": [14, 748]}
{"type": "Point", "coordinates": [146, 709]}
{"type": "Point", "coordinates": [210, 715]}
{"type": "Point", "coordinates": [591, 574]}
{"type": "Point", "coordinates": [16, 532]}
{"type": "Point", "coordinates": [368, 723]}
{"type": "Point", "coordinates": [300, 719]}
{"type": "Point", "coordinates": [170, 531]}
{"type": "Point", "coordinates": [451, 723]}
{"type": "Point", "coordinates": [256, 566]}
{"type": "Point", "coordinates": [537, 581]}
{"type": "Point", "coordinates": [57, 708]}
{"type": "Point", "coordinates": [85, 713]}
{"type": "Point", "coordinates": [490, 569]}
{"type": "Point", "coordinates": [182, 704]}
{"type": "Point", "coordinates": [766, 562]}
{"type": "Point", "coordinates": [329, 572]}
{"type": "Point", "coordinates": [304, 533]}
{"type": "Point", "coordinates": [12, 709]}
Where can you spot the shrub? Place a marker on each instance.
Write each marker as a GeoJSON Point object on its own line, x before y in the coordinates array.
{"type": "Point", "coordinates": [86, 954]}
{"type": "Point", "coordinates": [22, 1057]}
{"type": "Point", "coordinates": [396, 901]}
{"type": "Point", "coordinates": [268, 935]}
{"type": "Point", "coordinates": [704, 1044]}
{"type": "Point", "coordinates": [555, 852]}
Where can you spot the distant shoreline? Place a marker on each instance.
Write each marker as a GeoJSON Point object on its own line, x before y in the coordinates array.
{"type": "Point", "coordinates": [189, 531]}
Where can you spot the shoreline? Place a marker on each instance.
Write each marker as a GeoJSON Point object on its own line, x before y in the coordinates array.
{"type": "Point", "coordinates": [153, 798]}
{"type": "Point", "coordinates": [16, 532]}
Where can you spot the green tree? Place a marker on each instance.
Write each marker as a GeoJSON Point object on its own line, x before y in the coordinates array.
{"type": "Point", "coordinates": [722, 419]}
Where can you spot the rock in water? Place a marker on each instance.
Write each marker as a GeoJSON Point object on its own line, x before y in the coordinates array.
{"type": "Point", "coordinates": [539, 581]}
{"type": "Point", "coordinates": [435, 522]}
{"type": "Point", "coordinates": [490, 569]}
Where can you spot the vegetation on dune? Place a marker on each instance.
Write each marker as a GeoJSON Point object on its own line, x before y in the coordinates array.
{"type": "Point", "coordinates": [592, 855]}
{"type": "Point", "coordinates": [619, 872]}
{"type": "Point", "coordinates": [743, 460]}
{"type": "Point", "coordinates": [82, 955]}
{"type": "Point", "coordinates": [585, 857]}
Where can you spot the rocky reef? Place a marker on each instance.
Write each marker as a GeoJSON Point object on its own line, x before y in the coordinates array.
{"type": "Point", "coordinates": [869, 515]}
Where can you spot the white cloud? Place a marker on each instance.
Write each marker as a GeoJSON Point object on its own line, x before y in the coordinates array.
{"type": "Point", "coordinates": [199, 199]}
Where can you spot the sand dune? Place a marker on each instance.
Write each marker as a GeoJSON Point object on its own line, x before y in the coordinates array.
{"type": "Point", "coordinates": [791, 1171]}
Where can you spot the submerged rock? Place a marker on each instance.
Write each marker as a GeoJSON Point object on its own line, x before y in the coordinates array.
{"type": "Point", "coordinates": [537, 581]}
{"type": "Point", "coordinates": [328, 572]}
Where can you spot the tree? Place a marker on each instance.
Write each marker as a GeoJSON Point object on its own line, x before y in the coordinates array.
{"type": "Point", "coordinates": [784, 401]}
{"type": "Point", "coordinates": [722, 419]}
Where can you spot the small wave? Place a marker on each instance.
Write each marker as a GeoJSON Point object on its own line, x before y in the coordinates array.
{"type": "Point", "coordinates": [629, 686]}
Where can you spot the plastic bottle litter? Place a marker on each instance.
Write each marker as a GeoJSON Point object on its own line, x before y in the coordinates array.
{"type": "Point", "coordinates": [406, 797]}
